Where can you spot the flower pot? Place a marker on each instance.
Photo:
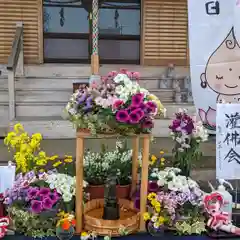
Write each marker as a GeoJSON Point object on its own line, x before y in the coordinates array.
{"type": "Point", "coordinates": [65, 234]}
{"type": "Point", "coordinates": [97, 191]}
{"type": "Point", "coordinates": [123, 191]}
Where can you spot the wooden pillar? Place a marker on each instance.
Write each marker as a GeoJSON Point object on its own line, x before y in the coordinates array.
{"type": "Point", "coordinates": [135, 147]}
{"type": "Point", "coordinates": [144, 180]}
{"type": "Point", "coordinates": [95, 56]}
{"type": "Point", "coordinates": [79, 183]}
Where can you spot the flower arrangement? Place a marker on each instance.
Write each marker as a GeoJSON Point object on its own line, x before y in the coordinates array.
{"type": "Point", "coordinates": [63, 184]}
{"type": "Point", "coordinates": [40, 191]}
{"type": "Point", "coordinates": [177, 205]}
{"type": "Point", "coordinates": [27, 152]}
{"type": "Point", "coordinates": [187, 135]}
{"type": "Point", "coordinates": [121, 106]}
{"type": "Point", "coordinates": [98, 166]}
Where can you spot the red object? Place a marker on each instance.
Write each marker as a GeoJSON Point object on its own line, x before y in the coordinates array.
{"type": "Point", "coordinates": [97, 191]}
{"type": "Point", "coordinates": [4, 222]}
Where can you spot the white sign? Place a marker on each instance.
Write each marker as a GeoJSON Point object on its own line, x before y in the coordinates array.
{"type": "Point", "coordinates": [7, 177]}
{"type": "Point", "coordinates": [228, 141]}
{"type": "Point", "coordinates": [214, 38]}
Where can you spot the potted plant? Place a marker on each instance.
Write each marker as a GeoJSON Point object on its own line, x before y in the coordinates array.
{"type": "Point", "coordinates": [187, 135]}
{"type": "Point", "coordinates": [66, 227]}
{"type": "Point", "coordinates": [177, 207]}
{"type": "Point", "coordinates": [98, 166]}
{"type": "Point", "coordinates": [116, 105]}
{"type": "Point", "coordinates": [39, 190]}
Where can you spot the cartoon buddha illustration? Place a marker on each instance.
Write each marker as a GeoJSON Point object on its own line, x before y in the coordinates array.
{"type": "Point", "coordinates": [222, 72]}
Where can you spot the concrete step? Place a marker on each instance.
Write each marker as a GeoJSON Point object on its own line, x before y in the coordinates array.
{"type": "Point", "coordinates": [38, 95]}
{"type": "Point", "coordinates": [42, 83]}
{"type": "Point", "coordinates": [29, 108]}
{"type": "Point", "coordinates": [63, 147]}
{"type": "Point", "coordinates": [43, 95]}
{"type": "Point", "coordinates": [56, 128]}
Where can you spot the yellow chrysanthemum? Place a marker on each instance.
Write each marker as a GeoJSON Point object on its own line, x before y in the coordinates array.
{"type": "Point", "coordinates": [18, 127]}
{"type": "Point", "coordinates": [84, 234]}
{"type": "Point", "coordinates": [56, 164]}
{"type": "Point", "coordinates": [154, 202]}
{"type": "Point", "coordinates": [161, 219]}
{"type": "Point", "coordinates": [68, 160]}
{"type": "Point", "coordinates": [52, 158]}
{"type": "Point", "coordinates": [158, 208]}
{"type": "Point", "coordinates": [161, 152]}
{"type": "Point", "coordinates": [153, 159]}
{"type": "Point", "coordinates": [146, 216]}
{"type": "Point", "coordinates": [152, 196]}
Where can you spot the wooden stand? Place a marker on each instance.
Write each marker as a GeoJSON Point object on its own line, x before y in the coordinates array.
{"type": "Point", "coordinates": [144, 175]}
{"type": "Point", "coordinates": [95, 64]}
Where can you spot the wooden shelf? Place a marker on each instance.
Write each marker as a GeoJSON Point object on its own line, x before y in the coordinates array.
{"type": "Point", "coordinates": [80, 137]}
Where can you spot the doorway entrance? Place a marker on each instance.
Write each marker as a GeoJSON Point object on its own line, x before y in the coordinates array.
{"type": "Point", "coordinates": [67, 31]}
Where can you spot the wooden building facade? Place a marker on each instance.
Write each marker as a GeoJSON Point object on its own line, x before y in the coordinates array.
{"type": "Point", "coordinates": [147, 32]}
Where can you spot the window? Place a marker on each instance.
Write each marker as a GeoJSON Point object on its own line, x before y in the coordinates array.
{"type": "Point", "coordinates": [66, 32]}
{"type": "Point", "coordinates": [119, 32]}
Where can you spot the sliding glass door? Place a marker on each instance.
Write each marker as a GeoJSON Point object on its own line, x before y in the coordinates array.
{"type": "Point", "coordinates": [67, 31]}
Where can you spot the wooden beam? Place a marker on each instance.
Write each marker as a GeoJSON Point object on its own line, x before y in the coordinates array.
{"type": "Point", "coordinates": [40, 30]}
{"type": "Point", "coordinates": [142, 42]}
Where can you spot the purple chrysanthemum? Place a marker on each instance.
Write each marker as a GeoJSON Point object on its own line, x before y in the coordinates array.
{"type": "Point", "coordinates": [36, 206]}
{"type": "Point", "coordinates": [122, 116]}
{"type": "Point", "coordinates": [137, 99]}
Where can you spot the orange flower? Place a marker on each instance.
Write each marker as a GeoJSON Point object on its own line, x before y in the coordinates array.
{"type": "Point", "coordinates": [73, 222]}
{"type": "Point", "coordinates": [66, 225]}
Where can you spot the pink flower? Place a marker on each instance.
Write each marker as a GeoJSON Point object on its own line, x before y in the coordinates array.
{"type": "Point", "coordinates": [137, 99]}
{"type": "Point", "coordinates": [136, 75]}
{"type": "Point", "coordinates": [112, 74]}
{"type": "Point", "coordinates": [208, 118]}
{"type": "Point", "coordinates": [123, 71]}
{"type": "Point", "coordinates": [122, 116]}
{"type": "Point", "coordinates": [104, 79]}
{"type": "Point", "coordinates": [117, 104]}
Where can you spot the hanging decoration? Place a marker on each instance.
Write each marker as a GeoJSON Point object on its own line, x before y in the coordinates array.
{"type": "Point", "coordinates": [95, 27]}
{"type": "Point", "coordinates": [62, 17]}
{"type": "Point", "coordinates": [116, 17]}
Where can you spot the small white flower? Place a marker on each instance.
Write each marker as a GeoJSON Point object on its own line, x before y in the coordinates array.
{"type": "Point", "coordinates": [154, 218]}
{"type": "Point", "coordinates": [119, 89]}
{"type": "Point", "coordinates": [160, 182]}
{"type": "Point", "coordinates": [180, 149]}
{"type": "Point", "coordinates": [120, 78]}
{"type": "Point", "coordinates": [98, 101]}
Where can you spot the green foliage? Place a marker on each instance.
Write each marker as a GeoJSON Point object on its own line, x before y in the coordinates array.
{"type": "Point", "coordinates": [31, 224]}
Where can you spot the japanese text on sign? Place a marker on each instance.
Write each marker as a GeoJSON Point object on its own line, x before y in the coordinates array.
{"type": "Point", "coordinates": [228, 141]}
